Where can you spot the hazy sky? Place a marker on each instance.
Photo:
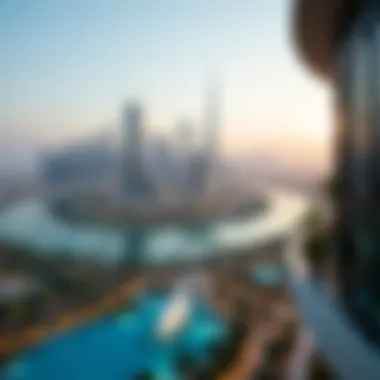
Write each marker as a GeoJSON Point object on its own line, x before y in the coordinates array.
{"type": "Point", "coordinates": [67, 65]}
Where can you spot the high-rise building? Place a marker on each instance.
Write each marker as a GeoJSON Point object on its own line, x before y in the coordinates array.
{"type": "Point", "coordinates": [161, 158]}
{"type": "Point", "coordinates": [340, 39]}
{"type": "Point", "coordinates": [197, 172]}
{"type": "Point", "coordinates": [184, 147]}
{"type": "Point", "coordinates": [211, 132]}
{"type": "Point", "coordinates": [136, 182]}
{"type": "Point", "coordinates": [212, 118]}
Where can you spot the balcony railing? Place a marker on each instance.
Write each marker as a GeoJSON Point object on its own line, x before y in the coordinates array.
{"type": "Point", "coordinates": [346, 350]}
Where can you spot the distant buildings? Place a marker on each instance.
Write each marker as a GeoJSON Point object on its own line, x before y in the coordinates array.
{"type": "Point", "coordinates": [135, 181]}
{"type": "Point", "coordinates": [184, 149]}
{"type": "Point", "coordinates": [77, 163]}
{"type": "Point", "coordinates": [211, 132]}
{"type": "Point", "coordinates": [180, 163]}
{"type": "Point", "coordinates": [161, 160]}
{"type": "Point", "coordinates": [197, 174]}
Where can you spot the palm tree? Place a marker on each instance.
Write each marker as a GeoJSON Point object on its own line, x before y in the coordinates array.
{"type": "Point", "coordinates": [275, 352]}
{"type": "Point", "coordinates": [331, 186]}
{"type": "Point", "coordinates": [143, 376]}
{"type": "Point", "coordinates": [317, 241]}
{"type": "Point", "coordinates": [214, 346]}
{"type": "Point", "coordinates": [319, 369]}
{"type": "Point", "coordinates": [186, 365]}
{"type": "Point", "coordinates": [265, 371]}
{"type": "Point", "coordinates": [288, 336]}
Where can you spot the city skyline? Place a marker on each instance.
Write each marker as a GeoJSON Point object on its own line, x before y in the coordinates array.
{"type": "Point", "coordinates": [96, 55]}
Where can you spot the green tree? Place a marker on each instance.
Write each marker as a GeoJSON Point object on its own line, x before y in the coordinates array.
{"type": "Point", "coordinates": [317, 240]}
{"type": "Point", "coordinates": [331, 186]}
{"type": "Point", "coordinates": [186, 365]}
{"type": "Point", "coordinates": [320, 369]}
{"type": "Point", "coordinates": [143, 376]}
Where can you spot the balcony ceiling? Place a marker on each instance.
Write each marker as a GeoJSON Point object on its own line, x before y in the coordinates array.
{"type": "Point", "coordinates": [314, 26]}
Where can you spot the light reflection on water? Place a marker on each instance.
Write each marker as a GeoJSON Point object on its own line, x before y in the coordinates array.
{"type": "Point", "coordinates": [29, 223]}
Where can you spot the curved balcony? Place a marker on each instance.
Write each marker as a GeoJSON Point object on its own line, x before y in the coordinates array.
{"type": "Point", "coordinates": [343, 346]}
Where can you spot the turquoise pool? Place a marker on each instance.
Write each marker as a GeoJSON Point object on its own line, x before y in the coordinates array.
{"type": "Point", "coordinates": [120, 346]}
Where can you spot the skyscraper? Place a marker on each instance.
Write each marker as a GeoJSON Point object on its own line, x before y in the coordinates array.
{"type": "Point", "coordinates": [135, 180]}
{"type": "Point", "coordinates": [212, 120]}
{"type": "Point", "coordinates": [184, 143]}
{"type": "Point", "coordinates": [211, 132]}
{"type": "Point", "coordinates": [198, 166]}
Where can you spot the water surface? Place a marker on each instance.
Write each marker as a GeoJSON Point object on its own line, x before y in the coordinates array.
{"type": "Point", "coordinates": [119, 346]}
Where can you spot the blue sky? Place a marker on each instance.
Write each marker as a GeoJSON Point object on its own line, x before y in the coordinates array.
{"type": "Point", "coordinates": [66, 66]}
